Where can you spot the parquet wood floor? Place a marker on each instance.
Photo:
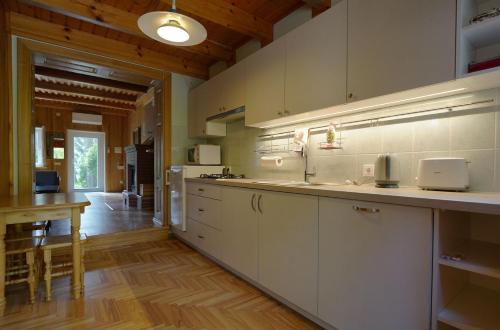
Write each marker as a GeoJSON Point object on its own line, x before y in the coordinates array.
{"type": "Point", "coordinates": [152, 285]}
{"type": "Point", "coordinates": [99, 219]}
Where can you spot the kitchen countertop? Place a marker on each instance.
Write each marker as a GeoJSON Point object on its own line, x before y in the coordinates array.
{"type": "Point", "coordinates": [480, 202]}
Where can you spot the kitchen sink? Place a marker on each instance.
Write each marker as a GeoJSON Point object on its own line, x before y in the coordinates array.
{"type": "Point", "coordinates": [305, 184]}
{"type": "Point", "coordinates": [293, 183]}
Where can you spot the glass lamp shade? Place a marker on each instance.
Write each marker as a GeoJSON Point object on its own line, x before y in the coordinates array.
{"type": "Point", "coordinates": [173, 32]}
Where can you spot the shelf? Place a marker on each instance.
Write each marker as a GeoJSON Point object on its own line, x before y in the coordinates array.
{"type": "Point", "coordinates": [329, 146]}
{"type": "Point", "coordinates": [474, 308]}
{"type": "Point", "coordinates": [469, 74]}
{"type": "Point", "coordinates": [483, 33]}
{"type": "Point", "coordinates": [479, 257]}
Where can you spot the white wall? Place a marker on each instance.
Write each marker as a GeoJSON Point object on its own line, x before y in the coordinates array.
{"type": "Point", "coordinates": [247, 49]}
{"type": "Point", "coordinates": [473, 135]}
{"type": "Point", "coordinates": [180, 87]}
{"type": "Point", "coordinates": [285, 25]}
{"type": "Point", "coordinates": [293, 20]}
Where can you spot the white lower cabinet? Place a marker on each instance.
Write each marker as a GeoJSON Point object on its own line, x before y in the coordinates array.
{"type": "Point", "coordinates": [204, 237]}
{"type": "Point", "coordinates": [375, 263]}
{"type": "Point", "coordinates": [355, 265]}
{"type": "Point", "coordinates": [203, 218]}
{"type": "Point", "coordinates": [288, 250]}
{"type": "Point", "coordinates": [240, 230]}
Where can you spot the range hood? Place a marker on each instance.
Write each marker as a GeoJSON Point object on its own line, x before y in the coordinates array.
{"type": "Point", "coordinates": [228, 116]}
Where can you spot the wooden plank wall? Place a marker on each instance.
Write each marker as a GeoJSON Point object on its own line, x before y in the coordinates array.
{"type": "Point", "coordinates": [115, 127]}
{"type": "Point", "coordinates": [136, 118]}
{"type": "Point", "coordinates": [5, 109]}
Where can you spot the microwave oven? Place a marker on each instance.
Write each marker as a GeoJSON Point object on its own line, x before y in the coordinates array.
{"type": "Point", "coordinates": [204, 154]}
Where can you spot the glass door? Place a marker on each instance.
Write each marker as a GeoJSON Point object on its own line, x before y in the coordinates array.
{"type": "Point", "coordinates": [85, 161]}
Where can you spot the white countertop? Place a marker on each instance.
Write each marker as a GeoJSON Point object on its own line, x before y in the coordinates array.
{"type": "Point", "coordinates": [480, 202]}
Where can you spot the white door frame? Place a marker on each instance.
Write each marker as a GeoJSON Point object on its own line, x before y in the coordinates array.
{"type": "Point", "coordinates": [101, 160]}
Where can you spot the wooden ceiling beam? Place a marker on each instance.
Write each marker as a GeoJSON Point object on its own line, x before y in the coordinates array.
{"type": "Point", "coordinates": [67, 75]}
{"type": "Point", "coordinates": [61, 105]}
{"type": "Point", "coordinates": [54, 86]}
{"type": "Point", "coordinates": [228, 15]}
{"type": "Point", "coordinates": [98, 13]}
{"type": "Point", "coordinates": [29, 27]}
{"type": "Point", "coordinates": [84, 101]}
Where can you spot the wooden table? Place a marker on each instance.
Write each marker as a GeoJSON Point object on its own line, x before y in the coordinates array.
{"type": "Point", "coordinates": [31, 208]}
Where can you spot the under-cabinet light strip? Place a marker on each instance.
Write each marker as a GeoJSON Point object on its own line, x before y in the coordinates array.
{"type": "Point", "coordinates": [414, 114]}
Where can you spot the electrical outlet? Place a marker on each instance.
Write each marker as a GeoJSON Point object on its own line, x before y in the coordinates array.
{"type": "Point", "coordinates": [368, 170]}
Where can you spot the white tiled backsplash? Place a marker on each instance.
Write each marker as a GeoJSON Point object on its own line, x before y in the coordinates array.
{"type": "Point", "coordinates": [474, 135]}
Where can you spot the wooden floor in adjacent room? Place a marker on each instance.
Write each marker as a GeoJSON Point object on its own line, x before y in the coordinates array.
{"type": "Point", "coordinates": [160, 285]}
{"type": "Point", "coordinates": [107, 215]}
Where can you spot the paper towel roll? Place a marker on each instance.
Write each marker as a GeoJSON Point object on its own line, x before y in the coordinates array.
{"type": "Point", "coordinates": [271, 161]}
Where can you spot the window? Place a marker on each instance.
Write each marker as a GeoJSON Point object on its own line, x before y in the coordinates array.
{"type": "Point", "coordinates": [39, 147]}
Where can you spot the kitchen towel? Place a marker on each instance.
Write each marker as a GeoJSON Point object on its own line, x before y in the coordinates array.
{"type": "Point", "coordinates": [271, 161]}
{"type": "Point", "coordinates": [300, 139]}
{"type": "Point", "coordinates": [300, 136]}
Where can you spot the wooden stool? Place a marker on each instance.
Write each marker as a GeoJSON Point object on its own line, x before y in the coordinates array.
{"type": "Point", "coordinates": [50, 243]}
{"type": "Point", "coordinates": [28, 269]}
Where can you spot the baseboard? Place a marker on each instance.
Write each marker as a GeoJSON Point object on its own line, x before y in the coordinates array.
{"type": "Point", "coordinates": [126, 238]}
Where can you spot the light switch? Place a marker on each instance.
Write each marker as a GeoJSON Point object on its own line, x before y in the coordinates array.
{"type": "Point", "coordinates": [368, 170]}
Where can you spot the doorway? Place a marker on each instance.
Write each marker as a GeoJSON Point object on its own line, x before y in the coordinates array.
{"type": "Point", "coordinates": [86, 161]}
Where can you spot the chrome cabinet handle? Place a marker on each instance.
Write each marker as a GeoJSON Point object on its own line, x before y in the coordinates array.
{"type": "Point", "coordinates": [252, 203]}
{"type": "Point", "coordinates": [365, 209]}
{"type": "Point", "coordinates": [258, 204]}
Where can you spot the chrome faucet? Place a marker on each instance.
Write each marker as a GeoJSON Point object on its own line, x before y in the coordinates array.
{"type": "Point", "coordinates": [307, 175]}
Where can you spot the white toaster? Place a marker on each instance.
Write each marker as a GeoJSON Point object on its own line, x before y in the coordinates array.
{"type": "Point", "coordinates": [443, 174]}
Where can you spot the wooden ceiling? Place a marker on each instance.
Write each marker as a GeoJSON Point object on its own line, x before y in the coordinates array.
{"type": "Point", "coordinates": [65, 83]}
{"type": "Point", "coordinates": [229, 23]}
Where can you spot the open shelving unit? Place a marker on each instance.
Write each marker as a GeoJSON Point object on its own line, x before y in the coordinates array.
{"type": "Point", "coordinates": [480, 257]}
{"type": "Point", "coordinates": [473, 308]}
{"type": "Point", "coordinates": [476, 42]}
{"type": "Point", "coordinates": [468, 294]}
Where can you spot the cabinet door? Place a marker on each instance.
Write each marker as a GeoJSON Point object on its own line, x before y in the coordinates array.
{"type": "Point", "coordinates": [316, 62]}
{"type": "Point", "coordinates": [198, 127]}
{"type": "Point", "coordinates": [374, 267]}
{"type": "Point", "coordinates": [234, 87]}
{"type": "Point", "coordinates": [215, 93]}
{"type": "Point", "coordinates": [396, 45]}
{"type": "Point", "coordinates": [240, 230]}
{"type": "Point", "coordinates": [288, 247]}
{"type": "Point", "coordinates": [265, 88]}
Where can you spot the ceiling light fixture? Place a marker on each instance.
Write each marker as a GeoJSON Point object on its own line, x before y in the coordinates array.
{"type": "Point", "coordinates": [172, 28]}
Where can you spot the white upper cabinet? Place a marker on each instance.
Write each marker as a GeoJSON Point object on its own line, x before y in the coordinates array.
{"type": "Point", "coordinates": [288, 247]}
{"type": "Point", "coordinates": [227, 90]}
{"type": "Point", "coordinates": [233, 88]}
{"type": "Point", "coordinates": [375, 265]}
{"type": "Point", "coordinates": [316, 62]}
{"type": "Point", "coordinates": [395, 45]}
{"type": "Point", "coordinates": [265, 88]}
{"type": "Point", "coordinates": [212, 96]}
{"type": "Point", "coordinates": [198, 126]}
